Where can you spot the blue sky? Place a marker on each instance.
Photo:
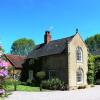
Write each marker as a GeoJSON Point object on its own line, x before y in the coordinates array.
{"type": "Point", "coordinates": [30, 18]}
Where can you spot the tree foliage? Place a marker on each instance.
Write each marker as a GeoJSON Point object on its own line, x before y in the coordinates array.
{"type": "Point", "coordinates": [91, 69]}
{"type": "Point", "coordinates": [93, 43]}
{"type": "Point", "coordinates": [22, 46]}
{"type": "Point", "coordinates": [97, 67]}
{"type": "Point", "coordinates": [94, 69]}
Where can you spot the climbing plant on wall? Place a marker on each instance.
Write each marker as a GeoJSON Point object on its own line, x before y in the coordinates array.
{"type": "Point", "coordinates": [91, 69]}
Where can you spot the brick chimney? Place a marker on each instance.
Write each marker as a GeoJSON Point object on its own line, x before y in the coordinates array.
{"type": "Point", "coordinates": [47, 37]}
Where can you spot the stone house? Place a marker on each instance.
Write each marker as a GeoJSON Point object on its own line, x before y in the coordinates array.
{"type": "Point", "coordinates": [64, 58]}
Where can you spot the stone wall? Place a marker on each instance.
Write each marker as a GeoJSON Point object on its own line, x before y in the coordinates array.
{"type": "Point", "coordinates": [58, 63]}
{"type": "Point", "coordinates": [73, 64]}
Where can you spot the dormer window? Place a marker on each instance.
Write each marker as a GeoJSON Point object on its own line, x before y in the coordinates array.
{"type": "Point", "coordinates": [79, 54]}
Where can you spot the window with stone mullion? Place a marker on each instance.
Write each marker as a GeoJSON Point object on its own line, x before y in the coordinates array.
{"type": "Point", "coordinates": [79, 54]}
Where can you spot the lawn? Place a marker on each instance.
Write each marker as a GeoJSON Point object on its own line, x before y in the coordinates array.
{"type": "Point", "coordinates": [10, 87]}
{"type": "Point", "coordinates": [23, 88]}
{"type": "Point", "coordinates": [19, 87]}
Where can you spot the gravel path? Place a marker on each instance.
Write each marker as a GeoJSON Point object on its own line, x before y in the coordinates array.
{"type": "Point", "coordinates": [83, 94]}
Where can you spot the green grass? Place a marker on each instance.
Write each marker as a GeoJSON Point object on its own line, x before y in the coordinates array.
{"type": "Point", "coordinates": [10, 86]}
{"type": "Point", "coordinates": [23, 88]}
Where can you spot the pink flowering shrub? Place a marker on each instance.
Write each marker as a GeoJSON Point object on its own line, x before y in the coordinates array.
{"type": "Point", "coordinates": [3, 64]}
{"type": "Point", "coordinates": [3, 75]}
{"type": "Point", "coordinates": [2, 91]}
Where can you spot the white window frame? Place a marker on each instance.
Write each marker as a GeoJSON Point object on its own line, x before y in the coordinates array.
{"type": "Point", "coordinates": [30, 75]}
{"type": "Point", "coordinates": [79, 76]}
{"type": "Point", "coordinates": [50, 73]}
{"type": "Point", "coordinates": [79, 54]}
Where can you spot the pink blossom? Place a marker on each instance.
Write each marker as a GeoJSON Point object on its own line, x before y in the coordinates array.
{"type": "Point", "coordinates": [3, 64]}
{"type": "Point", "coordinates": [3, 73]}
{"type": "Point", "coordinates": [2, 91]}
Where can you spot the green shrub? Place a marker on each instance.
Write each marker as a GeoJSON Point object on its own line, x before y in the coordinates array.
{"type": "Point", "coordinates": [10, 81]}
{"type": "Point", "coordinates": [98, 81]}
{"type": "Point", "coordinates": [90, 74]}
{"type": "Point", "coordinates": [97, 67]}
{"type": "Point", "coordinates": [53, 84]}
{"type": "Point", "coordinates": [41, 75]}
{"type": "Point", "coordinates": [29, 82]}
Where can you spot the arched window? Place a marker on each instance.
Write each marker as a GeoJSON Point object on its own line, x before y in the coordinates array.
{"type": "Point", "coordinates": [79, 75]}
{"type": "Point", "coordinates": [79, 54]}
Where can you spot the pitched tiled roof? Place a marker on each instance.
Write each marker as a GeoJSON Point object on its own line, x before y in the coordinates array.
{"type": "Point", "coordinates": [15, 60]}
{"type": "Point", "coordinates": [53, 47]}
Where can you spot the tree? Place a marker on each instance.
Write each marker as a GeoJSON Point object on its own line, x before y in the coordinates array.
{"type": "Point", "coordinates": [41, 75]}
{"type": "Point", "coordinates": [93, 43]}
{"type": "Point", "coordinates": [22, 46]}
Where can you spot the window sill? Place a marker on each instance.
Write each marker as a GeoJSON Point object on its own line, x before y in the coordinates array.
{"type": "Point", "coordinates": [79, 61]}
{"type": "Point", "coordinates": [78, 83]}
